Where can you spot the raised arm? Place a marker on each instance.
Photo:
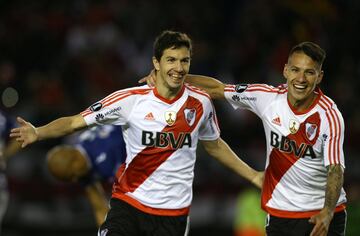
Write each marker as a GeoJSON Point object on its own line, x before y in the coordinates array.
{"type": "Point", "coordinates": [213, 87]}
{"type": "Point", "coordinates": [27, 133]}
{"type": "Point", "coordinates": [335, 179]}
{"type": "Point", "coordinates": [223, 153]}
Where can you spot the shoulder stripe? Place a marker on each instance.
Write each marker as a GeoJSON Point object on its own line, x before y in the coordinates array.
{"type": "Point", "coordinates": [332, 116]}
{"type": "Point", "coordinates": [229, 86]}
{"type": "Point", "coordinates": [107, 101]}
{"type": "Point", "coordinates": [113, 96]}
{"type": "Point", "coordinates": [333, 131]}
{"type": "Point", "coordinates": [115, 99]}
{"type": "Point", "coordinates": [123, 95]}
{"type": "Point", "coordinates": [118, 93]}
{"type": "Point", "coordinates": [116, 96]}
{"type": "Point", "coordinates": [264, 86]}
{"type": "Point", "coordinates": [85, 113]}
{"type": "Point", "coordinates": [335, 115]}
{"type": "Point", "coordinates": [267, 91]}
{"type": "Point", "coordinates": [258, 87]}
{"type": "Point", "coordinates": [198, 91]}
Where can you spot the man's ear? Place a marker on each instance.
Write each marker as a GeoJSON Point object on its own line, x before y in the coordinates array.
{"type": "Point", "coordinates": [156, 63]}
{"type": "Point", "coordinates": [285, 71]}
{"type": "Point", "coordinates": [320, 77]}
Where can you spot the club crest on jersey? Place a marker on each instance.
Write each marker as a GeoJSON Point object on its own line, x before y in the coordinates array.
{"type": "Point", "coordinates": [190, 115]}
{"type": "Point", "coordinates": [294, 126]}
{"type": "Point", "coordinates": [310, 131]}
{"type": "Point", "coordinates": [96, 106]}
{"type": "Point", "coordinates": [170, 117]}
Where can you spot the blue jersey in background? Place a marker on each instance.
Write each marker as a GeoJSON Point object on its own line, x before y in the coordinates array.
{"type": "Point", "coordinates": [104, 147]}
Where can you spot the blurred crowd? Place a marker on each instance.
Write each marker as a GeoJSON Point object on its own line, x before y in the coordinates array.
{"type": "Point", "coordinates": [58, 57]}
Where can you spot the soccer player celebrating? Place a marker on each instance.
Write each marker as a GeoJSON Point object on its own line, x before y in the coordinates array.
{"type": "Point", "coordinates": [162, 125]}
{"type": "Point", "coordinates": [91, 160]}
{"type": "Point", "coordinates": [302, 191]}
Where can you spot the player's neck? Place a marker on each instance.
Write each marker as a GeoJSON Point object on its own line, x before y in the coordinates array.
{"type": "Point", "coordinates": [303, 105]}
{"type": "Point", "coordinates": [167, 92]}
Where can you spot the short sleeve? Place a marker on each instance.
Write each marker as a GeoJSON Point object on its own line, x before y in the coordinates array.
{"type": "Point", "coordinates": [253, 97]}
{"type": "Point", "coordinates": [209, 130]}
{"type": "Point", "coordinates": [113, 109]}
{"type": "Point", "coordinates": [333, 138]}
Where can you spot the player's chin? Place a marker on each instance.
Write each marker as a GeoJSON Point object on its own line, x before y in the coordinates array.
{"type": "Point", "coordinates": [176, 84]}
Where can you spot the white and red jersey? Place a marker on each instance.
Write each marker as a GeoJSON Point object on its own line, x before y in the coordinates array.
{"type": "Point", "coordinates": [161, 138]}
{"type": "Point", "coordinates": [299, 147]}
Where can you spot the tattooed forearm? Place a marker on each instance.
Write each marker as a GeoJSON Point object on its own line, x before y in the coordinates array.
{"type": "Point", "coordinates": [335, 180]}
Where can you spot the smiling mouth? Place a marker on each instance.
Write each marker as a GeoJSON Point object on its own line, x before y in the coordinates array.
{"type": "Point", "coordinates": [300, 87]}
{"type": "Point", "coordinates": [176, 77]}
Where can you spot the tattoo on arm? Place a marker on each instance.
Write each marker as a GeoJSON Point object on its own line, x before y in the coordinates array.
{"type": "Point", "coordinates": [335, 179]}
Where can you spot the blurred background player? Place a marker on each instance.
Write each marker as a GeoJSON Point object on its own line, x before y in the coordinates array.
{"type": "Point", "coordinates": [249, 217]}
{"type": "Point", "coordinates": [8, 147]}
{"type": "Point", "coordinates": [91, 160]}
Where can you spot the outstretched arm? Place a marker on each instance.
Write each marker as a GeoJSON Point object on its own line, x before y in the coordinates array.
{"type": "Point", "coordinates": [223, 153]}
{"type": "Point", "coordinates": [27, 133]}
{"type": "Point", "coordinates": [98, 201]}
{"type": "Point", "coordinates": [334, 184]}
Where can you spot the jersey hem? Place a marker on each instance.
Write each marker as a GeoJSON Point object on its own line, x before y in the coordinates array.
{"type": "Point", "coordinates": [151, 210]}
{"type": "Point", "coordinates": [297, 214]}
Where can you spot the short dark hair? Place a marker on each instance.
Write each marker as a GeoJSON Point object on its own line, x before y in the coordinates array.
{"type": "Point", "coordinates": [312, 50]}
{"type": "Point", "coordinates": [170, 39]}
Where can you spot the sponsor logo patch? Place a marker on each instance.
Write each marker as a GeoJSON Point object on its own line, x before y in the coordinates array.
{"type": "Point", "coordinates": [96, 106]}
{"type": "Point", "coordinates": [239, 88]}
{"type": "Point", "coordinates": [236, 98]}
{"type": "Point", "coordinates": [112, 111]}
{"type": "Point", "coordinates": [99, 117]}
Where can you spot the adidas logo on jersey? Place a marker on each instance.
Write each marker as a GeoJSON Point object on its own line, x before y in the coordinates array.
{"type": "Point", "coordinates": [149, 116]}
{"type": "Point", "coordinates": [276, 121]}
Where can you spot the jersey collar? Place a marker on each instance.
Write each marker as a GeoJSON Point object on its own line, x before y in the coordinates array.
{"type": "Point", "coordinates": [169, 101]}
{"type": "Point", "coordinates": [318, 95]}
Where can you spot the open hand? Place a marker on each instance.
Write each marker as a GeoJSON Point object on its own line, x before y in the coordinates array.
{"type": "Point", "coordinates": [149, 79]}
{"type": "Point", "coordinates": [25, 134]}
{"type": "Point", "coordinates": [322, 222]}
